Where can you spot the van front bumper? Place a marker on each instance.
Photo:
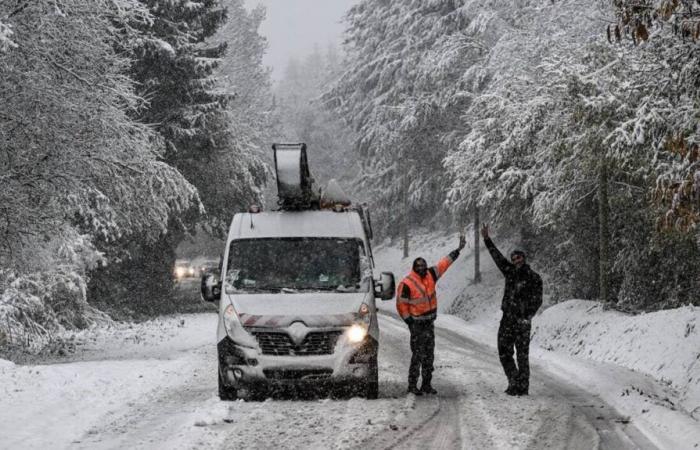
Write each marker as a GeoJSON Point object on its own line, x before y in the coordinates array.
{"type": "Point", "coordinates": [242, 367]}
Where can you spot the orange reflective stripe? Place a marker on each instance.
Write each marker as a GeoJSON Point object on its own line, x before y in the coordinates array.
{"type": "Point", "coordinates": [418, 301]}
{"type": "Point", "coordinates": [403, 300]}
{"type": "Point", "coordinates": [418, 286]}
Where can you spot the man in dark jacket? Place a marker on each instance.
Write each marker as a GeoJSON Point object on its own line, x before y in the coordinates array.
{"type": "Point", "coordinates": [521, 300]}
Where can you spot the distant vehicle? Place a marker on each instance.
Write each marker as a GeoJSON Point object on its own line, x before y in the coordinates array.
{"type": "Point", "coordinates": [184, 269]}
{"type": "Point", "coordinates": [297, 293]}
{"type": "Point", "coordinates": [209, 266]}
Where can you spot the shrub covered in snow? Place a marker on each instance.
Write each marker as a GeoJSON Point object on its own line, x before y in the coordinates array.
{"type": "Point", "coordinates": [36, 307]}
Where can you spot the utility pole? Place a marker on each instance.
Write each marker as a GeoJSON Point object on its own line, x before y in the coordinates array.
{"type": "Point", "coordinates": [603, 233]}
{"type": "Point", "coordinates": [477, 271]}
{"type": "Point", "coordinates": [404, 188]}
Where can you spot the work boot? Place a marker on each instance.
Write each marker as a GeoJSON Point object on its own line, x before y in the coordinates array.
{"type": "Point", "coordinates": [428, 389]}
{"type": "Point", "coordinates": [512, 387]}
{"type": "Point", "coordinates": [522, 390]}
{"type": "Point", "coordinates": [414, 390]}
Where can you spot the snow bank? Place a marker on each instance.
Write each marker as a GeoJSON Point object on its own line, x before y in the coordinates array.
{"type": "Point", "coordinates": [35, 308]}
{"type": "Point", "coordinates": [663, 344]}
{"type": "Point", "coordinates": [120, 365]}
{"type": "Point", "coordinates": [150, 339]}
{"type": "Point", "coordinates": [5, 364]}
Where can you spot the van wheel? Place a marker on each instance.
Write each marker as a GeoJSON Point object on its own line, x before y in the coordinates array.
{"type": "Point", "coordinates": [226, 393]}
{"type": "Point", "coordinates": [372, 383]}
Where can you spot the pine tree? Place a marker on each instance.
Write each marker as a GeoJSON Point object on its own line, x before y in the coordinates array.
{"type": "Point", "coordinates": [198, 116]}
{"type": "Point", "coordinates": [73, 161]}
{"type": "Point", "coordinates": [400, 92]}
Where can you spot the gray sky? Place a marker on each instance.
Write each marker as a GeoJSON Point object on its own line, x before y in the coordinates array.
{"type": "Point", "coordinates": [292, 27]}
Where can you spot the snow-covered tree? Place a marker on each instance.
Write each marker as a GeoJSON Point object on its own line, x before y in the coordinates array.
{"type": "Point", "coordinates": [75, 168]}
{"type": "Point", "coordinates": [71, 155]}
{"type": "Point", "coordinates": [666, 34]}
{"type": "Point", "coordinates": [208, 127]}
{"type": "Point", "coordinates": [399, 92]}
{"type": "Point", "coordinates": [563, 137]}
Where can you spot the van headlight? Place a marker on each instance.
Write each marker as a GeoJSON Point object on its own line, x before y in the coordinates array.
{"type": "Point", "coordinates": [364, 314]}
{"type": "Point", "coordinates": [356, 333]}
{"type": "Point", "coordinates": [229, 317]}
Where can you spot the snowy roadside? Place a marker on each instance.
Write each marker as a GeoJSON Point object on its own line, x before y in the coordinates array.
{"type": "Point", "coordinates": [120, 364]}
{"type": "Point", "coordinates": [646, 366]}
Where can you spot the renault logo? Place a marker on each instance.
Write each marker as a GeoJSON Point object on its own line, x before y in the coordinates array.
{"type": "Point", "coordinates": [297, 332]}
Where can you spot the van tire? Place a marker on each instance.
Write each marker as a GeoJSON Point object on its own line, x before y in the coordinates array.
{"type": "Point", "coordinates": [226, 393]}
{"type": "Point", "coordinates": [372, 383]}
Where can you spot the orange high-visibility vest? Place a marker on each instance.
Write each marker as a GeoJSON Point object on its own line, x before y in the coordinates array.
{"type": "Point", "coordinates": [422, 301]}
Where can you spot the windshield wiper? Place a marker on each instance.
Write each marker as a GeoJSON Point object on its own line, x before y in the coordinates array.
{"type": "Point", "coordinates": [255, 289]}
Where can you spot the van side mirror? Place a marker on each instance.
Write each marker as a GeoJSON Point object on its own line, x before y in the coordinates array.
{"type": "Point", "coordinates": [210, 288]}
{"type": "Point", "coordinates": [385, 286]}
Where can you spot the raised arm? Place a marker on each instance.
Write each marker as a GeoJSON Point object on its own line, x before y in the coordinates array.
{"type": "Point", "coordinates": [441, 267]}
{"type": "Point", "coordinates": [502, 263]}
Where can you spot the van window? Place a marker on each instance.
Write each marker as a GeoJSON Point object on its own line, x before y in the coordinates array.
{"type": "Point", "coordinates": [296, 264]}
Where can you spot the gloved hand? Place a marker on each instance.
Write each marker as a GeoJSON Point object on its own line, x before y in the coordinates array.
{"type": "Point", "coordinates": [485, 231]}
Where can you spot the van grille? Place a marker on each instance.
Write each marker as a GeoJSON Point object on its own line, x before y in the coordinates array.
{"type": "Point", "coordinates": [280, 344]}
{"type": "Point", "coordinates": [298, 374]}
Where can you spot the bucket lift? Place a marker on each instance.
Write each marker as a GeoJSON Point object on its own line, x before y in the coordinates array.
{"type": "Point", "coordinates": [295, 186]}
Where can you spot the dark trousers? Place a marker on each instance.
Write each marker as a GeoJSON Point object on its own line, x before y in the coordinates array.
{"type": "Point", "coordinates": [515, 335]}
{"type": "Point", "coordinates": [423, 351]}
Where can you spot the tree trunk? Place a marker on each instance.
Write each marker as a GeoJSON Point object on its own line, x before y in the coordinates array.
{"type": "Point", "coordinates": [477, 262]}
{"type": "Point", "coordinates": [405, 216]}
{"type": "Point", "coordinates": [603, 233]}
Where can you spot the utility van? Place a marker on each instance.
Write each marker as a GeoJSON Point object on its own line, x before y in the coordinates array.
{"type": "Point", "coordinates": [297, 292]}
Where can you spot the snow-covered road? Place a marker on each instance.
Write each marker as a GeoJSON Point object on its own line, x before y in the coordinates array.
{"type": "Point", "coordinates": [159, 391]}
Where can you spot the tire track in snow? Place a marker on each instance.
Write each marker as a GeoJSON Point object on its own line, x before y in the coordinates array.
{"type": "Point", "coordinates": [587, 422]}
{"type": "Point", "coordinates": [423, 422]}
{"type": "Point", "coordinates": [161, 416]}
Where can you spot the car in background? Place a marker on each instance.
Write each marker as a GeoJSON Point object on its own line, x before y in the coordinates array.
{"type": "Point", "coordinates": [209, 266]}
{"type": "Point", "coordinates": [184, 269]}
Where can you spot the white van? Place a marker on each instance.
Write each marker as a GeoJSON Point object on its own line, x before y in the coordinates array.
{"type": "Point", "coordinates": [297, 301]}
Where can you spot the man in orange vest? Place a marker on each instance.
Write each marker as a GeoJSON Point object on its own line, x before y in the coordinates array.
{"type": "Point", "coordinates": [416, 303]}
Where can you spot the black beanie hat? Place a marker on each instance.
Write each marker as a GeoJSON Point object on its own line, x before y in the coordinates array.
{"type": "Point", "coordinates": [416, 261]}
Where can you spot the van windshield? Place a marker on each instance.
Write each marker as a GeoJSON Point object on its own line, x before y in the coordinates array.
{"type": "Point", "coordinates": [297, 264]}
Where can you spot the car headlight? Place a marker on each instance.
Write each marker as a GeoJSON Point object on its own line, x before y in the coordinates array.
{"type": "Point", "coordinates": [356, 333]}
{"type": "Point", "coordinates": [180, 272]}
